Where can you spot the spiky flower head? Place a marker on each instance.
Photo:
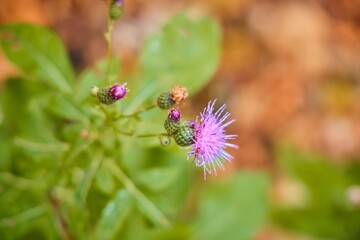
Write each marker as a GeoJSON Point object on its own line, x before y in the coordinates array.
{"type": "Point", "coordinates": [116, 9]}
{"type": "Point", "coordinates": [172, 122]}
{"type": "Point", "coordinates": [110, 94]}
{"type": "Point", "coordinates": [210, 139]}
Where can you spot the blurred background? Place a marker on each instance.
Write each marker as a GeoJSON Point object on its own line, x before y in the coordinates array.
{"type": "Point", "coordinates": [289, 72]}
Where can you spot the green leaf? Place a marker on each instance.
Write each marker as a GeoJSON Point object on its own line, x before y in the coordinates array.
{"type": "Point", "coordinates": [325, 182]}
{"type": "Point", "coordinates": [233, 208]}
{"type": "Point", "coordinates": [39, 53]}
{"type": "Point", "coordinates": [87, 180]}
{"type": "Point", "coordinates": [27, 119]}
{"type": "Point", "coordinates": [104, 180]}
{"type": "Point", "coordinates": [185, 52]}
{"type": "Point", "coordinates": [96, 77]}
{"type": "Point", "coordinates": [158, 179]}
{"type": "Point", "coordinates": [66, 108]}
{"type": "Point", "coordinates": [114, 215]}
{"type": "Point", "coordinates": [38, 148]}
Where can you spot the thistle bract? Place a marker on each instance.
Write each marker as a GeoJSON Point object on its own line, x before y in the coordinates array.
{"type": "Point", "coordinates": [165, 100]}
{"type": "Point", "coordinates": [116, 9]}
{"type": "Point", "coordinates": [172, 122]}
{"type": "Point", "coordinates": [210, 139]}
{"type": "Point", "coordinates": [184, 136]}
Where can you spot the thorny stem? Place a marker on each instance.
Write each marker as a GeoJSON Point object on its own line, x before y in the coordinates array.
{"type": "Point", "coordinates": [137, 194]}
{"type": "Point", "coordinates": [110, 25]}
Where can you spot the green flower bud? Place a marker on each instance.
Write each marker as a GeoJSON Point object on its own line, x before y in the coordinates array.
{"type": "Point", "coordinates": [116, 9]}
{"type": "Point", "coordinates": [172, 123]}
{"type": "Point", "coordinates": [165, 101]}
{"type": "Point", "coordinates": [104, 97]}
{"type": "Point", "coordinates": [184, 135]}
{"type": "Point", "coordinates": [171, 126]}
{"type": "Point", "coordinates": [110, 94]}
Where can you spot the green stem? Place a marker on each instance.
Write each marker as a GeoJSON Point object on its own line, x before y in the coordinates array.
{"type": "Point", "coordinates": [140, 135]}
{"type": "Point", "coordinates": [152, 106]}
{"type": "Point", "coordinates": [154, 212]}
{"type": "Point", "coordinates": [108, 38]}
{"type": "Point", "coordinates": [21, 183]}
{"type": "Point", "coordinates": [23, 217]}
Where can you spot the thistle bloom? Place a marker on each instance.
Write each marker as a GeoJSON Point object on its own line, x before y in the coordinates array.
{"type": "Point", "coordinates": [210, 139]}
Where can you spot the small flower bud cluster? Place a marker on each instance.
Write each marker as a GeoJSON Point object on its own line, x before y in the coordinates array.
{"type": "Point", "coordinates": [182, 132]}
{"type": "Point", "coordinates": [109, 95]}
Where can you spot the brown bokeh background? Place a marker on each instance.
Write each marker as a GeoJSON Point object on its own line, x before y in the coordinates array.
{"type": "Point", "coordinates": [289, 70]}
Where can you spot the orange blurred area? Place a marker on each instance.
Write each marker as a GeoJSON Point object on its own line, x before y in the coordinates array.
{"type": "Point", "coordinates": [290, 70]}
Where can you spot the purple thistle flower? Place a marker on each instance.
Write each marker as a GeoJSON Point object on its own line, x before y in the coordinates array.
{"type": "Point", "coordinates": [118, 91]}
{"type": "Point", "coordinates": [174, 114]}
{"type": "Point", "coordinates": [210, 139]}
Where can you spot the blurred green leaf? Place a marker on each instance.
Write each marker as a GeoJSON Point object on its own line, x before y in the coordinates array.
{"type": "Point", "coordinates": [38, 148]}
{"type": "Point", "coordinates": [87, 180]}
{"type": "Point", "coordinates": [233, 208]}
{"type": "Point", "coordinates": [96, 77]}
{"type": "Point", "coordinates": [325, 182]}
{"type": "Point", "coordinates": [39, 53]}
{"type": "Point", "coordinates": [185, 52]}
{"type": "Point", "coordinates": [28, 119]}
{"type": "Point", "coordinates": [145, 205]}
{"type": "Point", "coordinates": [157, 179]}
{"type": "Point", "coordinates": [104, 180]}
{"type": "Point", "coordinates": [114, 215]}
{"type": "Point", "coordinates": [66, 108]}
{"type": "Point", "coordinates": [327, 212]}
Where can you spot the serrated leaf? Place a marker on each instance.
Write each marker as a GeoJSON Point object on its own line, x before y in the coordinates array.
{"type": "Point", "coordinates": [114, 215]}
{"type": "Point", "coordinates": [39, 53]}
{"type": "Point", "coordinates": [233, 208]}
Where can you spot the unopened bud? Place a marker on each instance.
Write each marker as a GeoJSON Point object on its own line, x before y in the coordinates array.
{"type": "Point", "coordinates": [109, 95]}
{"type": "Point", "coordinates": [184, 136]}
{"type": "Point", "coordinates": [165, 100]}
{"type": "Point", "coordinates": [116, 9]}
